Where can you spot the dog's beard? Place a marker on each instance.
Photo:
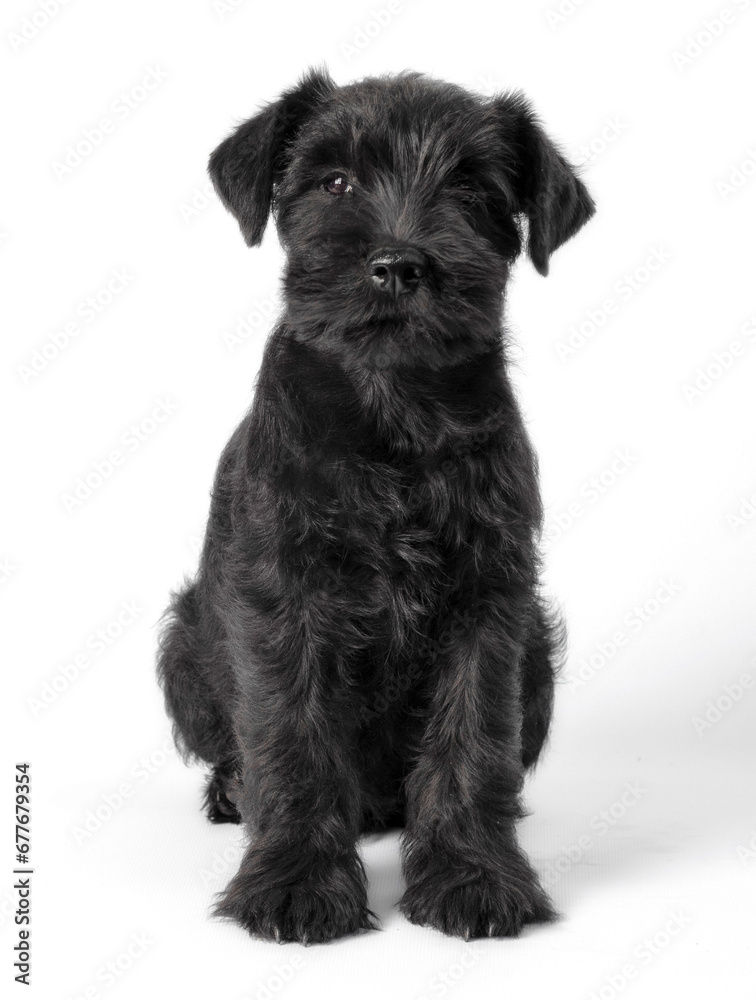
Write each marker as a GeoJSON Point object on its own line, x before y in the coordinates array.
{"type": "Point", "coordinates": [438, 324]}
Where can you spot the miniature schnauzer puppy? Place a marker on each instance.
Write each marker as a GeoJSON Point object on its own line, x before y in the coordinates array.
{"type": "Point", "coordinates": [365, 643]}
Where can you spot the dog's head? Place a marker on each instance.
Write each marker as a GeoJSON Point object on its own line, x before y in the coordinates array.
{"type": "Point", "coordinates": [400, 202]}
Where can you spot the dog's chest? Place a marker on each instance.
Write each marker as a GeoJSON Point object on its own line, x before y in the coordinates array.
{"type": "Point", "coordinates": [394, 492]}
{"type": "Point", "coordinates": [397, 530]}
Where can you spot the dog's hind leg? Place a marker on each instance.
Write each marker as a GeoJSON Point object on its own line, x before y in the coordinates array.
{"type": "Point", "coordinates": [540, 666]}
{"type": "Point", "coordinates": [220, 795]}
{"type": "Point", "coordinates": [200, 727]}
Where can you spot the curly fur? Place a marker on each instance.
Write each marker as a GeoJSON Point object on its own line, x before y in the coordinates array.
{"type": "Point", "coordinates": [365, 643]}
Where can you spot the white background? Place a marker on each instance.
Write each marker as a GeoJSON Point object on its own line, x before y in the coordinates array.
{"type": "Point", "coordinates": [119, 844]}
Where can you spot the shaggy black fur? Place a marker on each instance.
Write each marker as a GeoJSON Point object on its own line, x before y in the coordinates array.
{"type": "Point", "coordinates": [365, 643]}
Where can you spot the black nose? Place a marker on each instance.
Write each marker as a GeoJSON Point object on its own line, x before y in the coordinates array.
{"type": "Point", "coordinates": [397, 270]}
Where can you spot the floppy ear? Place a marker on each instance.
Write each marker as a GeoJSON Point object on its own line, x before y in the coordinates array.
{"type": "Point", "coordinates": [547, 189]}
{"type": "Point", "coordinates": [247, 164]}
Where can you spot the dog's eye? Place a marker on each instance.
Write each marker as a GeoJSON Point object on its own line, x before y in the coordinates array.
{"type": "Point", "coordinates": [337, 185]}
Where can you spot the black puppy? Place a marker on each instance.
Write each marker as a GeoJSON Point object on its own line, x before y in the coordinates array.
{"type": "Point", "coordinates": [365, 644]}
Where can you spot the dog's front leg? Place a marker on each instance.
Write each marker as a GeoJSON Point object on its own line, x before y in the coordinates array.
{"type": "Point", "coordinates": [466, 874]}
{"type": "Point", "coordinates": [301, 878]}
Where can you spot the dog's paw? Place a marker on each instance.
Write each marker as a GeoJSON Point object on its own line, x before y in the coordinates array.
{"type": "Point", "coordinates": [218, 806]}
{"type": "Point", "coordinates": [477, 903]}
{"type": "Point", "coordinates": [327, 902]}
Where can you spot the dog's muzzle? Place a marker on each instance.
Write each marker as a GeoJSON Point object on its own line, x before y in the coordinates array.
{"type": "Point", "coordinates": [397, 270]}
